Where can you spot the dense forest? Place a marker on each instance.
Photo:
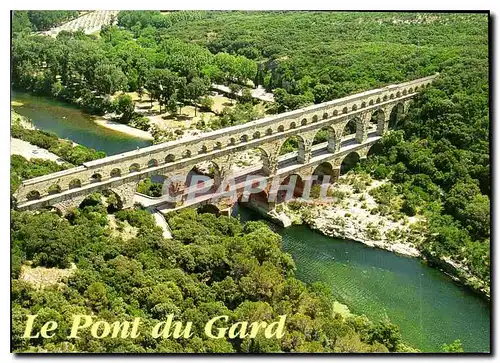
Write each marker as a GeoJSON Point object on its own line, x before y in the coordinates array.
{"type": "Point", "coordinates": [213, 266]}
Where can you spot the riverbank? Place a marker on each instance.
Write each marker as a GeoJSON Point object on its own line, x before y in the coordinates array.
{"type": "Point", "coordinates": [30, 151]}
{"type": "Point", "coordinates": [354, 214]}
{"type": "Point", "coordinates": [129, 130]}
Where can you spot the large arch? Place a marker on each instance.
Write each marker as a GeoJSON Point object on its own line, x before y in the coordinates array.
{"type": "Point", "coordinates": [208, 208]}
{"type": "Point", "coordinates": [151, 186]}
{"type": "Point", "coordinates": [377, 122]}
{"type": "Point", "coordinates": [203, 177]}
{"type": "Point", "coordinates": [350, 128]}
{"type": "Point", "coordinates": [292, 150]}
{"type": "Point", "coordinates": [348, 162]}
{"type": "Point", "coordinates": [396, 115]}
{"type": "Point", "coordinates": [326, 134]}
{"type": "Point", "coordinates": [251, 158]}
{"type": "Point", "coordinates": [291, 181]}
{"type": "Point", "coordinates": [111, 199]}
{"type": "Point", "coordinates": [325, 169]}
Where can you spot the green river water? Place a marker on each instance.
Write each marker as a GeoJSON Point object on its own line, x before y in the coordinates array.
{"type": "Point", "coordinates": [427, 305]}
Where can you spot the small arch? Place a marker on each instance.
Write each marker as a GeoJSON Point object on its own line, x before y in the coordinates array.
{"type": "Point", "coordinates": [371, 103]}
{"type": "Point", "coordinates": [95, 178]}
{"type": "Point", "coordinates": [232, 141]}
{"type": "Point", "coordinates": [269, 131]}
{"type": "Point", "coordinates": [281, 128]}
{"type": "Point", "coordinates": [363, 104]}
{"type": "Point", "coordinates": [416, 88]}
{"type": "Point", "coordinates": [315, 118]}
{"type": "Point", "coordinates": [186, 154]}
{"type": "Point", "coordinates": [392, 96]}
{"type": "Point", "coordinates": [170, 158]}
{"type": "Point", "coordinates": [378, 100]}
{"type": "Point", "coordinates": [256, 135]}
{"type": "Point", "coordinates": [326, 173]}
{"type": "Point", "coordinates": [54, 189]}
{"type": "Point", "coordinates": [203, 149]}
{"type": "Point", "coordinates": [344, 110]}
{"type": "Point", "coordinates": [134, 168]}
{"type": "Point", "coordinates": [208, 208]}
{"type": "Point", "coordinates": [244, 138]}
{"type": "Point", "coordinates": [398, 94]}
{"type": "Point", "coordinates": [410, 90]}
{"type": "Point", "coordinates": [405, 92]}
{"type": "Point", "coordinates": [293, 125]}
{"type": "Point", "coordinates": [295, 181]}
{"type": "Point", "coordinates": [115, 173]}
{"type": "Point", "coordinates": [385, 98]}
{"type": "Point", "coordinates": [303, 122]}
{"type": "Point", "coordinates": [152, 163]}
{"type": "Point", "coordinates": [75, 183]}
{"type": "Point", "coordinates": [335, 113]}
{"type": "Point", "coordinates": [218, 145]}
{"type": "Point", "coordinates": [428, 85]}
{"type": "Point", "coordinates": [354, 107]}
{"type": "Point", "coordinates": [33, 195]}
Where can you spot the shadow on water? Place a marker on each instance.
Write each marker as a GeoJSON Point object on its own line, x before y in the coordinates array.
{"type": "Point", "coordinates": [429, 307]}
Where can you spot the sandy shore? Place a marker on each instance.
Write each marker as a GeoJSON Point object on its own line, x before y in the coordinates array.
{"type": "Point", "coordinates": [30, 151]}
{"type": "Point", "coordinates": [124, 129]}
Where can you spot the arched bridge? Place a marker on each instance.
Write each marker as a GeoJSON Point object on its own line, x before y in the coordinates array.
{"type": "Point", "coordinates": [350, 124]}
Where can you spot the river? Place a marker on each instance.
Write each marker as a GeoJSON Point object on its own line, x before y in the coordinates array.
{"type": "Point", "coordinates": [69, 122]}
{"type": "Point", "coordinates": [428, 306]}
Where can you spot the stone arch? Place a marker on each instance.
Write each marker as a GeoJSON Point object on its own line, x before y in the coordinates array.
{"type": "Point", "coordinates": [349, 127]}
{"type": "Point", "coordinates": [293, 125]}
{"type": "Point", "coordinates": [293, 144]}
{"type": "Point", "coordinates": [232, 141]}
{"type": "Point", "coordinates": [281, 128]}
{"type": "Point", "coordinates": [303, 122]}
{"type": "Point", "coordinates": [54, 189]}
{"type": "Point", "coordinates": [385, 98]}
{"type": "Point", "coordinates": [325, 169]}
{"type": "Point", "coordinates": [296, 188]}
{"type": "Point", "coordinates": [396, 114]}
{"type": "Point", "coordinates": [398, 94]}
{"type": "Point", "coordinates": [203, 175]}
{"type": "Point", "coordinates": [33, 195]}
{"type": "Point", "coordinates": [115, 173]}
{"type": "Point", "coordinates": [315, 118]}
{"type": "Point", "coordinates": [186, 154]}
{"type": "Point", "coordinates": [354, 107]}
{"type": "Point", "coordinates": [391, 96]}
{"type": "Point", "coordinates": [405, 92]}
{"type": "Point", "coordinates": [203, 149]}
{"type": "Point", "coordinates": [325, 115]}
{"type": "Point", "coordinates": [416, 88]}
{"type": "Point", "coordinates": [375, 148]}
{"type": "Point", "coordinates": [135, 167]}
{"type": "Point", "coordinates": [244, 138]}
{"type": "Point", "coordinates": [54, 209]}
{"type": "Point", "coordinates": [371, 103]}
{"type": "Point", "coordinates": [344, 110]}
{"type": "Point", "coordinates": [377, 121]}
{"type": "Point", "coordinates": [326, 134]}
{"type": "Point", "coordinates": [218, 145]}
{"type": "Point", "coordinates": [95, 178]}
{"type": "Point", "coordinates": [349, 161]}
{"type": "Point", "coordinates": [363, 104]}
{"type": "Point", "coordinates": [269, 131]}
{"type": "Point", "coordinates": [410, 90]}
{"type": "Point", "coordinates": [378, 100]}
{"type": "Point", "coordinates": [335, 113]}
{"type": "Point", "coordinates": [152, 163]}
{"type": "Point", "coordinates": [151, 186]}
{"type": "Point", "coordinates": [170, 158]}
{"type": "Point", "coordinates": [208, 208]}
{"type": "Point", "coordinates": [75, 183]}
{"type": "Point", "coordinates": [256, 135]}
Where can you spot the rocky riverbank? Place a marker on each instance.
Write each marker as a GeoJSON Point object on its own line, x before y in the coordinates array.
{"type": "Point", "coordinates": [356, 213]}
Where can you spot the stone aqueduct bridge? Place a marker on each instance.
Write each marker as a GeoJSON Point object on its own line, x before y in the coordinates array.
{"type": "Point", "coordinates": [121, 173]}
